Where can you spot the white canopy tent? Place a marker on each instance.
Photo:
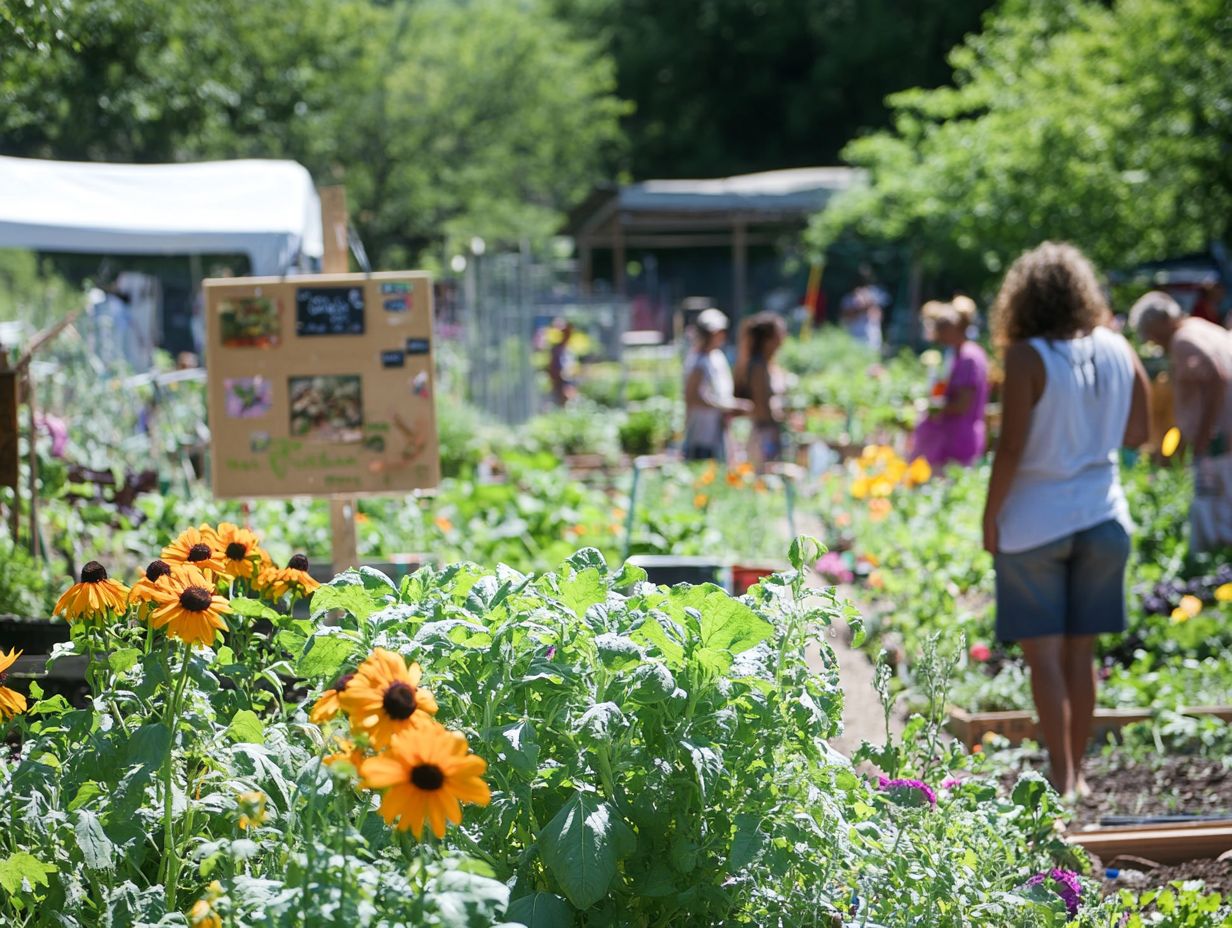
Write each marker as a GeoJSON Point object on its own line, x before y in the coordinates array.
{"type": "Point", "coordinates": [268, 210]}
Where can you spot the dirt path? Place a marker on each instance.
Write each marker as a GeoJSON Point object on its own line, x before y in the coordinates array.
{"type": "Point", "coordinates": [862, 717]}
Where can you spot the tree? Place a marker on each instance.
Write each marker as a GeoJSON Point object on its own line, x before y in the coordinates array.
{"type": "Point", "coordinates": [444, 119]}
{"type": "Point", "coordinates": [1107, 125]}
{"type": "Point", "coordinates": [728, 86]}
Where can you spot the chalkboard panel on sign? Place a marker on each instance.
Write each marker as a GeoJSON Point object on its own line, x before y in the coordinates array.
{"type": "Point", "coordinates": [329, 311]}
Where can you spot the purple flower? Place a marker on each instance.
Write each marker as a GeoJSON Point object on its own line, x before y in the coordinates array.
{"type": "Point", "coordinates": [1066, 885]}
{"type": "Point", "coordinates": [901, 788]}
{"type": "Point", "coordinates": [56, 428]}
{"type": "Point", "coordinates": [551, 652]}
{"type": "Point", "coordinates": [950, 783]}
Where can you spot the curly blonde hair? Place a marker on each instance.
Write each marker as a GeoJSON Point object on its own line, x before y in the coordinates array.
{"type": "Point", "coordinates": [1051, 291]}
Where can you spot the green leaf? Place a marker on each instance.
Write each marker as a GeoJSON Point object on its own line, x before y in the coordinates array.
{"type": "Point", "coordinates": [53, 705]}
{"type": "Point", "coordinates": [805, 551]}
{"type": "Point", "coordinates": [148, 745]}
{"type": "Point", "coordinates": [651, 682]}
{"type": "Point", "coordinates": [246, 728]}
{"type": "Point", "coordinates": [707, 764]}
{"type": "Point", "coordinates": [583, 590]}
{"type": "Point", "coordinates": [618, 651]}
{"type": "Point", "coordinates": [88, 790]}
{"type": "Point", "coordinates": [541, 910]}
{"type": "Point", "coordinates": [1029, 790]}
{"type": "Point", "coordinates": [349, 593]}
{"type": "Point", "coordinates": [587, 559]}
{"type": "Point", "coordinates": [96, 848]}
{"type": "Point", "coordinates": [577, 847]}
{"type": "Point", "coordinates": [747, 844]}
{"type": "Point", "coordinates": [325, 657]}
{"type": "Point", "coordinates": [518, 746]}
{"type": "Point", "coordinates": [253, 608]}
{"type": "Point", "coordinates": [20, 867]}
{"type": "Point", "coordinates": [600, 723]}
{"type": "Point", "coordinates": [726, 623]}
{"type": "Point", "coordinates": [123, 659]}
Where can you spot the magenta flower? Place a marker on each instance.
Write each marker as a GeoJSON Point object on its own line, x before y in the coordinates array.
{"type": "Point", "coordinates": [913, 789]}
{"type": "Point", "coordinates": [950, 783]}
{"type": "Point", "coordinates": [832, 566]}
{"type": "Point", "coordinates": [1066, 885]}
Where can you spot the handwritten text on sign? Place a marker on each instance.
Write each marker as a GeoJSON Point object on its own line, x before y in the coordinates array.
{"type": "Point", "coordinates": [329, 311]}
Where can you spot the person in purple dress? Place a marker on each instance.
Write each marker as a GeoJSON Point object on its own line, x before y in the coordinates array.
{"type": "Point", "coordinates": [953, 429]}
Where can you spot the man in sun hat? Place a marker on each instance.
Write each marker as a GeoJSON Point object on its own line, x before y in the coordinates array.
{"type": "Point", "coordinates": [709, 397]}
{"type": "Point", "coordinates": [1200, 358]}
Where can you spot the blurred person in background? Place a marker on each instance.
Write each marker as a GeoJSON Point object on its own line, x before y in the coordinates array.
{"type": "Point", "coordinates": [709, 397]}
{"type": "Point", "coordinates": [862, 309]}
{"type": "Point", "coordinates": [953, 428]}
{"type": "Point", "coordinates": [762, 382]}
{"type": "Point", "coordinates": [1200, 362]}
{"type": "Point", "coordinates": [1056, 520]}
{"type": "Point", "coordinates": [562, 365]}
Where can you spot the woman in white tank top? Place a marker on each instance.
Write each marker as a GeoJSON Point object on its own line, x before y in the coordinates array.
{"type": "Point", "coordinates": [1056, 520]}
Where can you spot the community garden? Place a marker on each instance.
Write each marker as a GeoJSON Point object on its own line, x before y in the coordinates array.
{"type": "Point", "coordinates": [504, 719]}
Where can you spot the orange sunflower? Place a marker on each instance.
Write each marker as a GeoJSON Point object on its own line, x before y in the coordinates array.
{"type": "Point", "coordinates": [347, 752]}
{"type": "Point", "coordinates": [93, 597]}
{"type": "Point", "coordinates": [426, 773]}
{"type": "Point", "coordinates": [293, 579]}
{"type": "Point", "coordinates": [199, 548]}
{"type": "Point", "coordinates": [327, 706]}
{"type": "Point", "coordinates": [384, 697]}
{"type": "Point", "coordinates": [144, 590]}
{"type": "Point", "coordinates": [11, 702]}
{"type": "Point", "coordinates": [240, 549]}
{"type": "Point", "coordinates": [188, 607]}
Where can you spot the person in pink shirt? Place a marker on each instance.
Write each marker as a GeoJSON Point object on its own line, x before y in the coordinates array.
{"type": "Point", "coordinates": [953, 430]}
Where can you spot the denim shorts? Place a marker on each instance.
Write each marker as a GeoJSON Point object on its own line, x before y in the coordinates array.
{"type": "Point", "coordinates": [1072, 586]}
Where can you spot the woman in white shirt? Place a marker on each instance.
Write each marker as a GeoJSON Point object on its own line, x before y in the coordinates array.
{"type": "Point", "coordinates": [709, 401]}
{"type": "Point", "coordinates": [1056, 519]}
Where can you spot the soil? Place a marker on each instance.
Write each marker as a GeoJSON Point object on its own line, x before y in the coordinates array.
{"type": "Point", "coordinates": [1169, 785]}
{"type": "Point", "coordinates": [1138, 875]}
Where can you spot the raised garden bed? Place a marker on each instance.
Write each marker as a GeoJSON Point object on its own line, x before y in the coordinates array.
{"type": "Point", "coordinates": [1018, 726]}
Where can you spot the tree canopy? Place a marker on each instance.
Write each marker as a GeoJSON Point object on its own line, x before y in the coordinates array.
{"type": "Point", "coordinates": [1109, 125]}
{"type": "Point", "coordinates": [444, 119]}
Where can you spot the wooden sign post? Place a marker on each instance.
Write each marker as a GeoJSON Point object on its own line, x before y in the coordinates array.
{"type": "Point", "coordinates": [322, 386]}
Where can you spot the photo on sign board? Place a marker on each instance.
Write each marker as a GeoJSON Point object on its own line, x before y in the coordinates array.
{"type": "Point", "coordinates": [327, 408]}
{"type": "Point", "coordinates": [259, 442]}
{"type": "Point", "coordinates": [250, 322]}
{"type": "Point", "coordinates": [248, 397]}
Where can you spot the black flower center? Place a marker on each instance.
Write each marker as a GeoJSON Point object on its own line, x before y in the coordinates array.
{"type": "Point", "coordinates": [196, 598]}
{"type": "Point", "coordinates": [199, 552]}
{"type": "Point", "coordinates": [428, 776]}
{"type": "Point", "coordinates": [236, 551]}
{"type": "Point", "coordinates": [157, 569]}
{"type": "Point", "coordinates": [342, 682]}
{"type": "Point", "coordinates": [399, 701]}
{"type": "Point", "coordinates": [298, 562]}
{"type": "Point", "coordinates": [93, 572]}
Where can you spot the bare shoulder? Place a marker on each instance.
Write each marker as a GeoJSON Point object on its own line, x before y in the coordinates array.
{"type": "Point", "coordinates": [1022, 358]}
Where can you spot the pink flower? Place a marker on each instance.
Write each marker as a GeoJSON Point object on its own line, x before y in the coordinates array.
{"type": "Point", "coordinates": [833, 567]}
{"type": "Point", "coordinates": [950, 782]}
{"type": "Point", "coordinates": [1065, 884]}
{"type": "Point", "coordinates": [914, 789]}
{"type": "Point", "coordinates": [980, 652]}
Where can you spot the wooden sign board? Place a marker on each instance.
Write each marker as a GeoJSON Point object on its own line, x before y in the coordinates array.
{"type": "Point", "coordinates": [8, 429]}
{"type": "Point", "coordinates": [322, 385]}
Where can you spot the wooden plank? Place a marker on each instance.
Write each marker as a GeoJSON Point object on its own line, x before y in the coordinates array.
{"type": "Point", "coordinates": [970, 727]}
{"type": "Point", "coordinates": [9, 457]}
{"type": "Point", "coordinates": [1167, 845]}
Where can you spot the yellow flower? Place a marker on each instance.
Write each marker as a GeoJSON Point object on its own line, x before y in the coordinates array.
{"type": "Point", "coordinates": [202, 915]}
{"type": "Point", "coordinates": [1223, 594]}
{"type": "Point", "coordinates": [384, 697]}
{"type": "Point", "coordinates": [293, 579]}
{"type": "Point", "coordinates": [327, 705]}
{"type": "Point", "coordinates": [426, 773]}
{"type": "Point", "coordinates": [881, 487]}
{"type": "Point", "coordinates": [872, 560]}
{"type": "Point", "coordinates": [144, 590]}
{"type": "Point", "coordinates": [347, 753]}
{"type": "Point", "coordinates": [11, 702]}
{"type": "Point", "coordinates": [878, 509]}
{"type": "Point", "coordinates": [198, 547]}
{"type": "Point", "coordinates": [1172, 441]}
{"type": "Point", "coordinates": [700, 501]}
{"type": "Point", "coordinates": [252, 809]}
{"type": "Point", "coordinates": [1189, 607]}
{"type": "Point", "coordinates": [861, 487]}
{"type": "Point", "coordinates": [93, 597]}
{"type": "Point", "coordinates": [240, 549]}
{"type": "Point", "coordinates": [188, 606]}
{"type": "Point", "coordinates": [919, 472]}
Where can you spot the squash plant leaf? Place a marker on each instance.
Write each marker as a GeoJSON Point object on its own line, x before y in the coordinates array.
{"type": "Point", "coordinates": [578, 846]}
{"type": "Point", "coordinates": [541, 910]}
